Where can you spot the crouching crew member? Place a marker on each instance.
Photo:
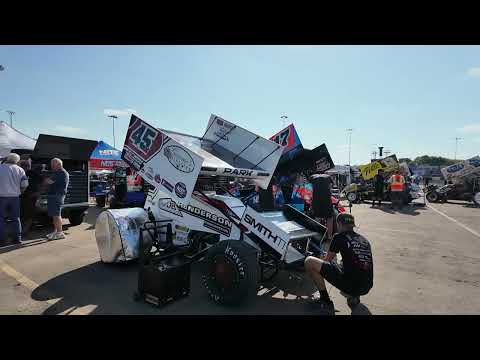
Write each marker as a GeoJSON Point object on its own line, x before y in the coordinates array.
{"type": "Point", "coordinates": [354, 278]}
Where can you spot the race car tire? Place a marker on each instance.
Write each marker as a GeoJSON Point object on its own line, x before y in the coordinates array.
{"type": "Point", "coordinates": [476, 198]}
{"type": "Point", "coordinates": [352, 197]}
{"type": "Point", "coordinates": [432, 196]}
{"type": "Point", "coordinates": [231, 273]}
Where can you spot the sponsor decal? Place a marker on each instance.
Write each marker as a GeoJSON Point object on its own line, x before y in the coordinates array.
{"type": "Point", "coordinates": [179, 158]}
{"type": "Point", "coordinates": [212, 221]}
{"type": "Point", "coordinates": [158, 179]}
{"type": "Point", "coordinates": [143, 139]}
{"type": "Point", "coordinates": [265, 232]}
{"type": "Point", "coordinates": [170, 206]}
{"type": "Point", "coordinates": [167, 185]}
{"type": "Point", "coordinates": [455, 168]}
{"type": "Point", "coordinates": [240, 172]}
{"type": "Point", "coordinates": [236, 258]}
{"type": "Point", "coordinates": [109, 152]}
{"type": "Point", "coordinates": [180, 190]}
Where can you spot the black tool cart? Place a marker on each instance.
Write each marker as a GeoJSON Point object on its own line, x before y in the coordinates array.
{"type": "Point", "coordinates": [164, 274]}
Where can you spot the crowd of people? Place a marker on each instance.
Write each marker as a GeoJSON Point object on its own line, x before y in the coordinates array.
{"type": "Point", "coordinates": [20, 188]}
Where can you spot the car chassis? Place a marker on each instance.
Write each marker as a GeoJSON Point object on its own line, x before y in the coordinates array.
{"type": "Point", "coordinates": [239, 247]}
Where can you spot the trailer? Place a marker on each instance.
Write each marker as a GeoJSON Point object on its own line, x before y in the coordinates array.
{"type": "Point", "coordinates": [186, 215]}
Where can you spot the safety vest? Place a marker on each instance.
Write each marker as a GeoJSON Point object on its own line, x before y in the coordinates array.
{"type": "Point", "coordinates": [398, 183]}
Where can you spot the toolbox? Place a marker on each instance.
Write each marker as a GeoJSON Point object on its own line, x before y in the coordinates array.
{"type": "Point", "coordinates": [165, 280]}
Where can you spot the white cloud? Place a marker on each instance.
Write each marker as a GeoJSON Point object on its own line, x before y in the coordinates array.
{"type": "Point", "coordinates": [470, 128]}
{"type": "Point", "coordinates": [69, 130]}
{"type": "Point", "coordinates": [119, 112]}
{"type": "Point", "coordinates": [475, 71]}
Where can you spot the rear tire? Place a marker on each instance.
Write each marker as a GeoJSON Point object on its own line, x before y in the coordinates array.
{"type": "Point", "coordinates": [231, 272]}
{"type": "Point", "coordinates": [432, 197]}
{"type": "Point", "coordinates": [76, 218]}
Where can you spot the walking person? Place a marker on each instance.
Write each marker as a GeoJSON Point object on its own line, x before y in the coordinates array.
{"type": "Point", "coordinates": [58, 184]}
{"type": "Point", "coordinates": [379, 182]}
{"type": "Point", "coordinates": [397, 187]}
{"type": "Point", "coordinates": [13, 182]}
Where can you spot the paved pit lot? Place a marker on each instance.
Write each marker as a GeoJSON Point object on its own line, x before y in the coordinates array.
{"type": "Point", "coordinates": [427, 261]}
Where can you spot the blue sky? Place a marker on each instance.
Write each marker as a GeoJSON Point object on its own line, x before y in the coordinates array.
{"type": "Point", "coordinates": [413, 100]}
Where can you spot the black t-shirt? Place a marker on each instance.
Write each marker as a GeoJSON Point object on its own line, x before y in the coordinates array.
{"type": "Point", "coordinates": [379, 182]}
{"type": "Point", "coordinates": [356, 256]}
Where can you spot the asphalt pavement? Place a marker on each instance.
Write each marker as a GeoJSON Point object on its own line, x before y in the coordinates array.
{"type": "Point", "coordinates": [426, 261]}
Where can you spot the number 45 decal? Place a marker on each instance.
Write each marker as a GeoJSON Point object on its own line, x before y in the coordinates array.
{"type": "Point", "coordinates": [142, 138]}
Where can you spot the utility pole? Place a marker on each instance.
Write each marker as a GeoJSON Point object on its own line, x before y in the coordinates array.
{"type": "Point", "coordinates": [284, 117]}
{"type": "Point", "coordinates": [11, 113]}
{"type": "Point", "coordinates": [113, 125]}
{"type": "Point", "coordinates": [456, 146]}
{"type": "Point", "coordinates": [349, 131]}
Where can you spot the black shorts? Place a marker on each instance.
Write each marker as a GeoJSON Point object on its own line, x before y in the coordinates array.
{"type": "Point", "coordinates": [335, 276]}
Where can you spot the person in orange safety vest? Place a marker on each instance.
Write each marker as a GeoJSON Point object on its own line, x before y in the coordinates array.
{"type": "Point", "coordinates": [397, 187]}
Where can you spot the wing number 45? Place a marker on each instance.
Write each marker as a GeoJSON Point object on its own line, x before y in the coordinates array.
{"type": "Point", "coordinates": [143, 138]}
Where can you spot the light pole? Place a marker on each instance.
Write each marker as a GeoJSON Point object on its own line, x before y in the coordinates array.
{"type": "Point", "coordinates": [284, 117]}
{"type": "Point", "coordinates": [113, 125]}
{"type": "Point", "coordinates": [349, 148]}
{"type": "Point", "coordinates": [456, 146]}
{"type": "Point", "coordinates": [11, 113]}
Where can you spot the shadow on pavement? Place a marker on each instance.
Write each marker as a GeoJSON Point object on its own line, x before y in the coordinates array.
{"type": "Point", "coordinates": [110, 287]}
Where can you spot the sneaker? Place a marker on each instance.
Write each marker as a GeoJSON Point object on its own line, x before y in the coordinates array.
{"type": "Point", "coordinates": [49, 236]}
{"type": "Point", "coordinates": [58, 236]}
{"type": "Point", "coordinates": [322, 304]}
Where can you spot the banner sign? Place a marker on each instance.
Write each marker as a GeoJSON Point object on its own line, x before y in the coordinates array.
{"type": "Point", "coordinates": [462, 169]}
{"type": "Point", "coordinates": [288, 138]}
{"type": "Point", "coordinates": [100, 164]}
{"type": "Point", "coordinates": [161, 161]}
{"type": "Point", "coordinates": [388, 164]}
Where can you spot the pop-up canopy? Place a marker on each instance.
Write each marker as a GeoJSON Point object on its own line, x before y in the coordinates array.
{"type": "Point", "coordinates": [13, 139]}
{"type": "Point", "coordinates": [106, 157]}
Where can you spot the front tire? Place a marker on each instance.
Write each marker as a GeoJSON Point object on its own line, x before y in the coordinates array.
{"type": "Point", "coordinates": [352, 197]}
{"type": "Point", "coordinates": [231, 272]}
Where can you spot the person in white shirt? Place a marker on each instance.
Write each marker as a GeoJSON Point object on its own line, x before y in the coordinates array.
{"type": "Point", "coordinates": [13, 182]}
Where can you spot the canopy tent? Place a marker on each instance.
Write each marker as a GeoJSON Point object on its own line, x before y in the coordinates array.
{"type": "Point", "coordinates": [106, 157]}
{"type": "Point", "coordinates": [13, 139]}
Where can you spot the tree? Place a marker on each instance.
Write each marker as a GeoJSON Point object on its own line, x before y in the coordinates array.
{"type": "Point", "coordinates": [405, 160]}
{"type": "Point", "coordinates": [434, 161]}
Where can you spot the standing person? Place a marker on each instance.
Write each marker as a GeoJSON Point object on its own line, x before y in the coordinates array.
{"type": "Point", "coordinates": [355, 277]}
{"type": "Point", "coordinates": [13, 182]}
{"type": "Point", "coordinates": [58, 184]}
{"type": "Point", "coordinates": [397, 187]}
{"type": "Point", "coordinates": [297, 199]}
{"type": "Point", "coordinates": [278, 199]}
{"type": "Point", "coordinates": [379, 183]}
{"type": "Point", "coordinates": [322, 207]}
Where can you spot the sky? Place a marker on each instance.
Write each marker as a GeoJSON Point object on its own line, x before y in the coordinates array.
{"type": "Point", "coordinates": [413, 100]}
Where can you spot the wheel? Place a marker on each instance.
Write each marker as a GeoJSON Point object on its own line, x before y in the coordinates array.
{"type": "Point", "coordinates": [231, 272]}
{"type": "Point", "coordinates": [100, 200]}
{"type": "Point", "coordinates": [76, 218]}
{"type": "Point", "coordinates": [476, 198]}
{"type": "Point", "coordinates": [432, 196]}
{"type": "Point", "coordinates": [352, 197]}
